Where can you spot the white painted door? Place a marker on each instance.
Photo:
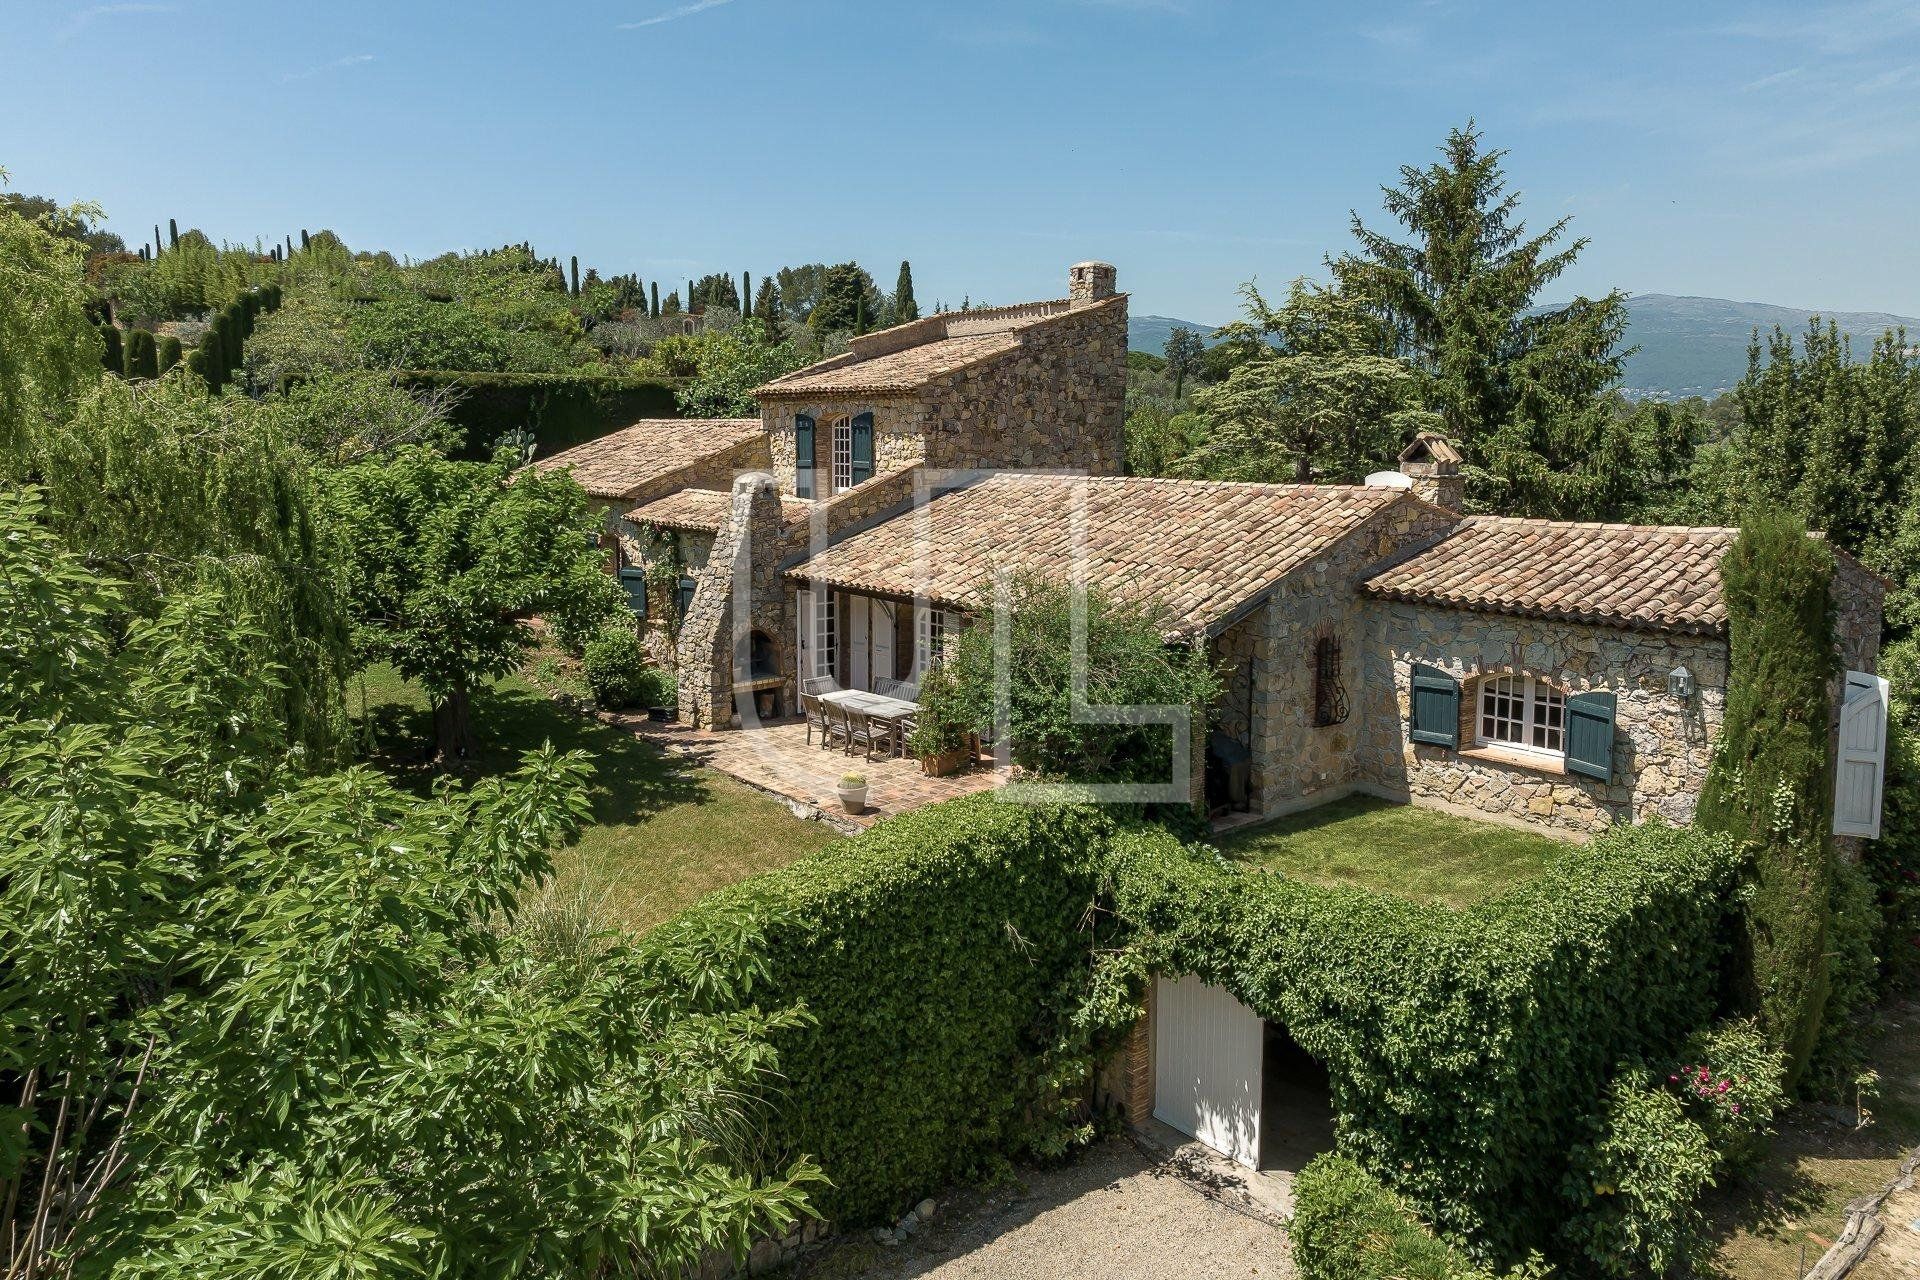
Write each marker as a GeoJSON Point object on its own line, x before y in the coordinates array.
{"type": "Point", "coordinates": [881, 634]}
{"type": "Point", "coordinates": [1206, 1050]}
{"type": "Point", "coordinates": [1860, 773]}
{"type": "Point", "coordinates": [859, 674]}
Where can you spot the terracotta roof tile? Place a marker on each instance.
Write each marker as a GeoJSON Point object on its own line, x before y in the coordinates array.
{"type": "Point", "coordinates": [1654, 577]}
{"type": "Point", "coordinates": [1200, 549]}
{"type": "Point", "coordinates": [615, 465]}
{"type": "Point", "coordinates": [896, 371]}
{"type": "Point", "coordinates": [705, 509]}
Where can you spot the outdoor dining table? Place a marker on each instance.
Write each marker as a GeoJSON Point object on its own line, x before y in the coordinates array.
{"type": "Point", "coordinates": [876, 705]}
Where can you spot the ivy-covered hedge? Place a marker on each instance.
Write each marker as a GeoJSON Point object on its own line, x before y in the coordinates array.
{"type": "Point", "coordinates": [1466, 1050]}
{"type": "Point", "coordinates": [560, 409]}
{"type": "Point", "coordinates": [1346, 1226]}
{"type": "Point", "coordinates": [935, 955]}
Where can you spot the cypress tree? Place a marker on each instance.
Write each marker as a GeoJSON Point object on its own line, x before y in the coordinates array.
{"type": "Point", "coordinates": [904, 306]}
{"type": "Point", "coordinates": [306, 241]}
{"type": "Point", "coordinates": [197, 365]}
{"type": "Point", "coordinates": [169, 351]}
{"type": "Point", "coordinates": [574, 260]}
{"type": "Point", "coordinates": [112, 357]}
{"type": "Point", "coordinates": [1769, 785]}
{"type": "Point", "coordinates": [656, 300]}
{"type": "Point", "coordinates": [689, 295]}
{"type": "Point", "coordinates": [746, 294]}
{"type": "Point", "coordinates": [142, 361]}
{"type": "Point", "coordinates": [173, 234]}
{"type": "Point", "coordinates": [156, 240]}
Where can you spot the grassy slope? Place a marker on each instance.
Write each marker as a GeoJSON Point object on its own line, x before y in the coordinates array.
{"type": "Point", "coordinates": [1798, 1196]}
{"type": "Point", "coordinates": [1415, 853]}
{"type": "Point", "coordinates": [664, 832]}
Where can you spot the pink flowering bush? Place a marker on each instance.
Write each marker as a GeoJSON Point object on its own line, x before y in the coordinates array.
{"type": "Point", "coordinates": [1729, 1081]}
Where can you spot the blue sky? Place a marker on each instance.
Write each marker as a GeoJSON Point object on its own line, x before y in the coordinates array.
{"type": "Point", "coordinates": [1760, 152]}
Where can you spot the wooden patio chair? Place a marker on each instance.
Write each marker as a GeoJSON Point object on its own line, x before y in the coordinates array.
{"type": "Point", "coordinates": [839, 724]}
{"type": "Point", "coordinates": [816, 713]}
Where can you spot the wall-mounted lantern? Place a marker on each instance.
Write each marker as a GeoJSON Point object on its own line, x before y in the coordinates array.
{"type": "Point", "coordinates": [1680, 684]}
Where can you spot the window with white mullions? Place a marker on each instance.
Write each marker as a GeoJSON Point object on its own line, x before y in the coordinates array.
{"type": "Point", "coordinates": [826, 636]}
{"type": "Point", "coordinates": [842, 454]}
{"type": "Point", "coordinates": [1521, 711]}
{"type": "Point", "coordinates": [930, 638]}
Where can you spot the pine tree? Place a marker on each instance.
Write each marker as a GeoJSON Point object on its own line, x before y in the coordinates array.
{"type": "Point", "coordinates": [113, 356]}
{"type": "Point", "coordinates": [904, 306]}
{"type": "Point", "coordinates": [1456, 297]}
{"type": "Point", "coordinates": [672, 307]}
{"type": "Point", "coordinates": [766, 306]}
{"type": "Point", "coordinates": [142, 360]}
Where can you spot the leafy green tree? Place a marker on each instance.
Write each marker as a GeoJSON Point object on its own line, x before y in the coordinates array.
{"type": "Point", "coordinates": [1458, 299]}
{"type": "Point", "coordinates": [260, 1023]}
{"type": "Point", "coordinates": [716, 289]}
{"type": "Point", "coordinates": [1182, 353]}
{"type": "Point", "coordinates": [672, 305]}
{"type": "Point", "coordinates": [1322, 406]}
{"type": "Point", "coordinates": [1128, 663]}
{"type": "Point", "coordinates": [848, 298]}
{"type": "Point", "coordinates": [412, 333]}
{"type": "Point", "coordinates": [75, 223]}
{"type": "Point", "coordinates": [904, 306]}
{"type": "Point", "coordinates": [50, 352]}
{"type": "Point", "coordinates": [446, 564]}
{"type": "Point", "coordinates": [1770, 783]}
{"type": "Point", "coordinates": [730, 366]}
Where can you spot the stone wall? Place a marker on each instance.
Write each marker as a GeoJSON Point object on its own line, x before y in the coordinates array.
{"type": "Point", "coordinates": [1269, 655]}
{"type": "Point", "coordinates": [1059, 401]}
{"type": "Point", "coordinates": [899, 435]}
{"type": "Point", "coordinates": [713, 642]}
{"type": "Point", "coordinates": [1661, 746]}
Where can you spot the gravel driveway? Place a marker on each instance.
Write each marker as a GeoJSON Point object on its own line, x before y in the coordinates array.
{"type": "Point", "coordinates": [1116, 1213]}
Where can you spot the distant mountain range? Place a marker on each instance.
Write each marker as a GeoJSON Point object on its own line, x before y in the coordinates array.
{"type": "Point", "coordinates": [1688, 346]}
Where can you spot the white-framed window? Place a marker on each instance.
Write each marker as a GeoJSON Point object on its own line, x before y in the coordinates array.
{"type": "Point", "coordinates": [826, 634]}
{"type": "Point", "coordinates": [842, 454]}
{"type": "Point", "coordinates": [929, 638]}
{"type": "Point", "coordinates": [1522, 711]}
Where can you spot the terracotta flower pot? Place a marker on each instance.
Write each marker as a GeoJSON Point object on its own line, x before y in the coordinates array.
{"type": "Point", "coordinates": [943, 763]}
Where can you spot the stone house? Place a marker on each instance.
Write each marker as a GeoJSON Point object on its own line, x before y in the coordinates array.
{"type": "Point", "coordinates": [1371, 638]}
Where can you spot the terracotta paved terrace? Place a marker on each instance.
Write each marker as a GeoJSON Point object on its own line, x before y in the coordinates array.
{"type": "Point", "coordinates": [778, 758]}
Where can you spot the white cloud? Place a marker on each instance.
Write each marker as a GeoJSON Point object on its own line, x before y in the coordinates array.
{"type": "Point", "coordinates": [351, 60]}
{"type": "Point", "coordinates": [674, 15]}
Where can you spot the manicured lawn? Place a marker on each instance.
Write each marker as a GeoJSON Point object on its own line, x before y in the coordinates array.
{"type": "Point", "coordinates": [1796, 1200]}
{"type": "Point", "coordinates": [1395, 848]}
{"type": "Point", "coordinates": [664, 832]}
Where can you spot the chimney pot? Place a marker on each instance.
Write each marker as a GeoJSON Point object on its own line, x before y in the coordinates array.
{"type": "Point", "coordinates": [1090, 282]}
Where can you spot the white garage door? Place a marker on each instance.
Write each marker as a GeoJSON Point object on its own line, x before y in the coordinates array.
{"type": "Point", "coordinates": [1206, 1048]}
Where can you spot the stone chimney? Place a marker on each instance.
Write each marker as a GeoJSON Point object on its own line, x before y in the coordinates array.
{"type": "Point", "coordinates": [1433, 464]}
{"type": "Point", "coordinates": [1090, 282]}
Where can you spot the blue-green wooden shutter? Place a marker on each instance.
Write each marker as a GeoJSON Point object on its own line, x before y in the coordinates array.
{"type": "Point", "coordinates": [862, 447]}
{"type": "Point", "coordinates": [686, 595]}
{"type": "Point", "coordinates": [803, 455]}
{"type": "Point", "coordinates": [1435, 714]}
{"type": "Point", "coordinates": [635, 581]}
{"type": "Point", "coordinates": [1590, 735]}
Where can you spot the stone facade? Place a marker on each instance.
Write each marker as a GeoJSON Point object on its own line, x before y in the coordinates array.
{"type": "Point", "coordinates": [1270, 672]}
{"type": "Point", "coordinates": [1661, 745]}
{"type": "Point", "coordinates": [713, 647]}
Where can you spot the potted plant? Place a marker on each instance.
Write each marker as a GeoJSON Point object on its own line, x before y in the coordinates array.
{"type": "Point", "coordinates": [940, 737]}
{"type": "Point", "coordinates": [853, 792]}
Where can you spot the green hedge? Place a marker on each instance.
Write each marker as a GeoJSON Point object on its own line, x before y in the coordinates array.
{"type": "Point", "coordinates": [1466, 1050]}
{"type": "Point", "coordinates": [1346, 1226]}
{"type": "Point", "coordinates": [561, 409]}
{"type": "Point", "coordinates": [934, 954]}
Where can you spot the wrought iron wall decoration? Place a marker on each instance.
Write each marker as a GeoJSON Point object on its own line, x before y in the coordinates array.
{"type": "Point", "coordinates": [1329, 698]}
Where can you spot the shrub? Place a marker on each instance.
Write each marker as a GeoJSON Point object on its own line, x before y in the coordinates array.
{"type": "Point", "coordinates": [1128, 663]}
{"type": "Point", "coordinates": [561, 409]}
{"type": "Point", "coordinates": [112, 356]}
{"type": "Point", "coordinates": [613, 664]}
{"type": "Point", "coordinates": [169, 350]}
{"type": "Point", "coordinates": [937, 954]}
{"type": "Point", "coordinates": [1769, 784]}
{"type": "Point", "coordinates": [1465, 1049]}
{"type": "Point", "coordinates": [1346, 1226]}
{"type": "Point", "coordinates": [1728, 1078]}
{"type": "Point", "coordinates": [1633, 1186]}
{"type": "Point", "coordinates": [1893, 862]}
{"type": "Point", "coordinates": [142, 356]}
{"type": "Point", "coordinates": [1853, 969]}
